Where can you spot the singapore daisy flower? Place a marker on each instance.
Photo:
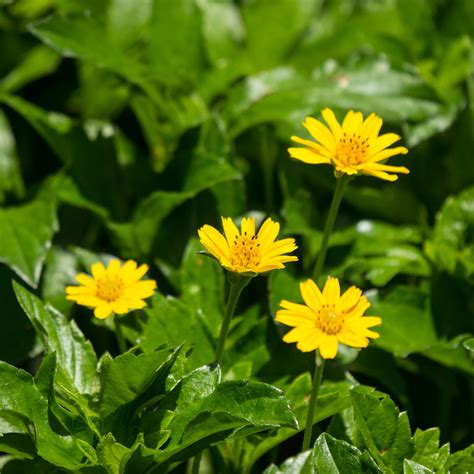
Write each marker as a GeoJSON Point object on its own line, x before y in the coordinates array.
{"type": "Point", "coordinates": [328, 318]}
{"type": "Point", "coordinates": [116, 289]}
{"type": "Point", "coordinates": [353, 147]}
{"type": "Point", "coordinates": [246, 251]}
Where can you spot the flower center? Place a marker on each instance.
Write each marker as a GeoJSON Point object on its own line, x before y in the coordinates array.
{"type": "Point", "coordinates": [328, 320]}
{"type": "Point", "coordinates": [110, 288]}
{"type": "Point", "coordinates": [352, 150]}
{"type": "Point", "coordinates": [246, 251]}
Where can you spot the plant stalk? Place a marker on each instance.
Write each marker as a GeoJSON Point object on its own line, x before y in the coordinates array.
{"type": "Point", "coordinates": [318, 375]}
{"type": "Point", "coordinates": [341, 184]}
{"type": "Point", "coordinates": [237, 284]}
{"type": "Point", "coordinates": [122, 345]}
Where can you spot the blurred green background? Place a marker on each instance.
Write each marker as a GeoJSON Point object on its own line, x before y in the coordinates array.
{"type": "Point", "coordinates": [126, 125]}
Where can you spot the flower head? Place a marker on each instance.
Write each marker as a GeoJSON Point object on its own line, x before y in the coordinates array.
{"type": "Point", "coordinates": [328, 318]}
{"type": "Point", "coordinates": [246, 251]}
{"type": "Point", "coordinates": [352, 148]}
{"type": "Point", "coordinates": [115, 289]}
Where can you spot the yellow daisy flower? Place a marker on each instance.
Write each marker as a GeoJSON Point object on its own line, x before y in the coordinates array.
{"type": "Point", "coordinates": [246, 251]}
{"type": "Point", "coordinates": [112, 290]}
{"type": "Point", "coordinates": [352, 148]}
{"type": "Point", "coordinates": [328, 318]}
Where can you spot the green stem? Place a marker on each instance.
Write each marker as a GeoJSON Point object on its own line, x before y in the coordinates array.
{"type": "Point", "coordinates": [341, 184]}
{"type": "Point", "coordinates": [122, 345]}
{"type": "Point", "coordinates": [318, 374]}
{"type": "Point", "coordinates": [196, 463]}
{"type": "Point", "coordinates": [237, 284]}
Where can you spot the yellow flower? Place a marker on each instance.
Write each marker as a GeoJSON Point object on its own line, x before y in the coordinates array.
{"type": "Point", "coordinates": [115, 289]}
{"type": "Point", "coordinates": [328, 318]}
{"type": "Point", "coordinates": [352, 148]}
{"type": "Point", "coordinates": [246, 251]}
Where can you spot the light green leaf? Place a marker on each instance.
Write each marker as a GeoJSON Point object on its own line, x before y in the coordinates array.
{"type": "Point", "coordinates": [76, 358]}
{"type": "Point", "coordinates": [411, 467]}
{"type": "Point", "coordinates": [171, 321]}
{"type": "Point", "coordinates": [11, 180]}
{"type": "Point", "coordinates": [19, 394]}
{"type": "Point", "coordinates": [333, 456]}
{"type": "Point", "coordinates": [27, 232]}
{"type": "Point", "coordinates": [122, 378]}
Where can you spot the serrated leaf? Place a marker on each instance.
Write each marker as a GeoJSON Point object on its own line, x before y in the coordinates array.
{"type": "Point", "coordinates": [123, 378]}
{"type": "Point", "coordinates": [170, 320]}
{"type": "Point", "coordinates": [333, 456]}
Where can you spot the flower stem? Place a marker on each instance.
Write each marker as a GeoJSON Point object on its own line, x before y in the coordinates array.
{"type": "Point", "coordinates": [237, 284]}
{"type": "Point", "coordinates": [122, 345]}
{"type": "Point", "coordinates": [341, 184]}
{"type": "Point", "coordinates": [318, 374]}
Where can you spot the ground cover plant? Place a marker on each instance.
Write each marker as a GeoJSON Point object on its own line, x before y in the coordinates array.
{"type": "Point", "coordinates": [236, 236]}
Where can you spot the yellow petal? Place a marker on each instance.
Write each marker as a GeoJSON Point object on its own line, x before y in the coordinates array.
{"type": "Point", "coordinates": [268, 233]}
{"type": "Point", "coordinates": [248, 226]}
{"type": "Point", "coordinates": [352, 340]}
{"type": "Point", "coordinates": [230, 230]}
{"type": "Point", "coordinates": [295, 334]}
{"type": "Point", "coordinates": [308, 156]}
{"type": "Point", "coordinates": [79, 290]}
{"type": "Point", "coordinates": [279, 247]}
{"type": "Point", "coordinates": [98, 270]}
{"type": "Point", "coordinates": [114, 266]}
{"type": "Point", "coordinates": [350, 298]}
{"type": "Point", "coordinates": [119, 307]}
{"type": "Point", "coordinates": [334, 125]}
{"type": "Point", "coordinates": [371, 126]}
{"type": "Point", "coordinates": [328, 346]}
{"type": "Point", "coordinates": [383, 167]}
{"type": "Point", "coordinates": [310, 342]}
{"type": "Point", "coordinates": [384, 154]}
{"type": "Point", "coordinates": [382, 142]}
{"type": "Point", "coordinates": [214, 241]}
{"type": "Point", "coordinates": [321, 133]}
{"type": "Point", "coordinates": [352, 122]}
{"type": "Point", "coordinates": [103, 311]}
{"type": "Point", "coordinates": [331, 291]}
{"type": "Point", "coordinates": [380, 174]}
{"type": "Point", "coordinates": [85, 280]}
{"type": "Point", "coordinates": [311, 294]}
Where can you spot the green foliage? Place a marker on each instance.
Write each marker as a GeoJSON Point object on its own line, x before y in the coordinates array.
{"type": "Point", "coordinates": [125, 126]}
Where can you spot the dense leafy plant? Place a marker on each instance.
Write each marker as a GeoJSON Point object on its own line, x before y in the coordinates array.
{"type": "Point", "coordinates": [126, 126]}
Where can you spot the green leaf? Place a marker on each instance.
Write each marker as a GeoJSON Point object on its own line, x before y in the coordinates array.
{"type": "Point", "coordinates": [83, 37]}
{"type": "Point", "coordinates": [452, 246]}
{"type": "Point", "coordinates": [76, 357]}
{"type": "Point", "coordinates": [176, 43]}
{"type": "Point", "coordinates": [112, 455]}
{"type": "Point", "coordinates": [11, 180]}
{"type": "Point", "coordinates": [303, 463]}
{"type": "Point", "coordinates": [399, 309]}
{"type": "Point", "coordinates": [206, 411]}
{"type": "Point", "coordinates": [274, 28]}
{"type": "Point", "coordinates": [427, 450]}
{"type": "Point", "coordinates": [333, 456]}
{"type": "Point", "coordinates": [202, 283]}
{"type": "Point", "coordinates": [123, 378]}
{"type": "Point", "coordinates": [171, 321]}
{"type": "Point", "coordinates": [27, 232]}
{"type": "Point", "coordinates": [411, 467]}
{"type": "Point", "coordinates": [40, 61]}
{"type": "Point", "coordinates": [386, 432]}
{"type": "Point", "coordinates": [139, 234]}
{"type": "Point", "coordinates": [19, 394]}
